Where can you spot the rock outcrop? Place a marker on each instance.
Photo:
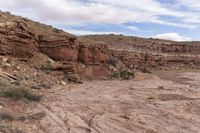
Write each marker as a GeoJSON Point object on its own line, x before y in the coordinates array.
{"type": "Point", "coordinates": [138, 53]}
{"type": "Point", "coordinates": [17, 39]}
{"type": "Point", "coordinates": [147, 45]}
{"type": "Point", "coordinates": [59, 48]}
{"type": "Point", "coordinates": [89, 58]}
{"type": "Point", "coordinates": [138, 60]}
{"type": "Point", "coordinates": [94, 54]}
{"type": "Point", "coordinates": [23, 38]}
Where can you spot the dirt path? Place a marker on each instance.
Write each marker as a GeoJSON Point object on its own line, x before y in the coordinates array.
{"type": "Point", "coordinates": [142, 106]}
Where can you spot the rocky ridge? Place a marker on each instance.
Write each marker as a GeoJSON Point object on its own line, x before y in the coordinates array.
{"type": "Point", "coordinates": [155, 54]}
{"type": "Point", "coordinates": [23, 39]}
{"type": "Point", "coordinates": [90, 57]}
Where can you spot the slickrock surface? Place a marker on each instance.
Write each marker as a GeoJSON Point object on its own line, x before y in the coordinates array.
{"type": "Point", "coordinates": [147, 104]}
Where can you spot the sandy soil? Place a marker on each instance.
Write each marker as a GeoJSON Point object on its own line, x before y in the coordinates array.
{"type": "Point", "coordinates": [148, 104]}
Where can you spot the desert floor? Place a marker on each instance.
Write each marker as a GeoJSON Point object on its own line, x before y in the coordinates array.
{"type": "Point", "coordinates": [163, 102]}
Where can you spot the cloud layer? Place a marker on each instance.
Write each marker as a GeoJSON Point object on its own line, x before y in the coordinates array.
{"type": "Point", "coordinates": [176, 13]}
{"type": "Point", "coordinates": [172, 36]}
{"type": "Point", "coordinates": [109, 11]}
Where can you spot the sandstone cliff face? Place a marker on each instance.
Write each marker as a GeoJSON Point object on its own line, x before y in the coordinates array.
{"type": "Point", "coordinates": [17, 39]}
{"type": "Point", "coordinates": [172, 47]}
{"type": "Point", "coordinates": [60, 48]}
{"type": "Point", "coordinates": [147, 45]}
{"type": "Point", "coordinates": [137, 60]}
{"type": "Point", "coordinates": [156, 54]}
{"type": "Point", "coordinates": [23, 38]}
{"type": "Point", "coordinates": [20, 37]}
{"type": "Point", "coordinates": [94, 54]}
{"type": "Point", "coordinates": [89, 58]}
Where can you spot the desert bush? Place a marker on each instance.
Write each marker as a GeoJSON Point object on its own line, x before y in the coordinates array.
{"type": "Point", "coordinates": [9, 129]}
{"type": "Point", "coordinates": [46, 68]}
{"type": "Point", "coordinates": [3, 83]}
{"type": "Point", "coordinates": [6, 116]}
{"type": "Point", "coordinates": [17, 92]}
{"type": "Point", "coordinates": [145, 70]}
{"type": "Point", "coordinates": [20, 93]}
{"type": "Point", "coordinates": [116, 75]}
{"type": "Point", "coordinates": [37, 116]}
{"type": "Point", "coordinates": [125, 75]}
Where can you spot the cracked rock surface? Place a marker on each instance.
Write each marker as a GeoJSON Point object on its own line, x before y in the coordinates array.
{"type": "Point", "coordinates": [147, 104]}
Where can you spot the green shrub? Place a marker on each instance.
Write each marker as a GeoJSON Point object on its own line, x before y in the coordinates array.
{"type": "Point", "coordinates": [6, 116]}
{"type": "Point", "coordinates": [125, 75]}
{"type": "Point", "coordinates": [145, 70]}
{"type": "Point", "coordinates": [20, 93]}
{"type": "Point", "coordinates": [37, 116]}
{"type": "Point", "coordinates": [3, 84]}
{"type": "Point", "coordinates": [46, 68]}
{"type": "Point", "coordinates": [9, 129]}
{"type": "Point", "coordinates": [116, 75]}
{"type": "Point", "coordinates": [17, 92]}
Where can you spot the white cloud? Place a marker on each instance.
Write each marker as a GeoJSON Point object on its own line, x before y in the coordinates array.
{"type": "Point", "coordinates": [75, 12]}
{"type": "Point", "coordinates": [133, 28]}
{"type": "Point", "coordinates": [173, 37]}
{"type": "Point", "coordinates": [87, 32]}
{"type": "Point", "coordinates": [192, 4]}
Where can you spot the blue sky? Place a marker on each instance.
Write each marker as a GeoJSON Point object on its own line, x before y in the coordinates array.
{"type": "Point", "coordinates": [167, 19]}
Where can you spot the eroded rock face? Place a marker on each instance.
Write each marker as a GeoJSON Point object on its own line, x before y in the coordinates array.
{"type": "Point", "coordinates": [94, 54]}
{"type": "Point", "coordinates": [129, 43]}
{"type": "Point", "coordinates": [23, 38]}
{"type": "Point", "coordinates": [17, 39]}
{"type": "Point", "coordinates": [137, 52]}
{"type": "Point", "coordinates": [61, 48]}
{"type": "Point", "coordinates": [172, 47]}
{"type": "Point", "coordinates": [157, 61]}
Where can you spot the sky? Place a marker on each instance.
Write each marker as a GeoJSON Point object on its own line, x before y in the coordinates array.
{"type": "Point", "coordinates": [177, 20]}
